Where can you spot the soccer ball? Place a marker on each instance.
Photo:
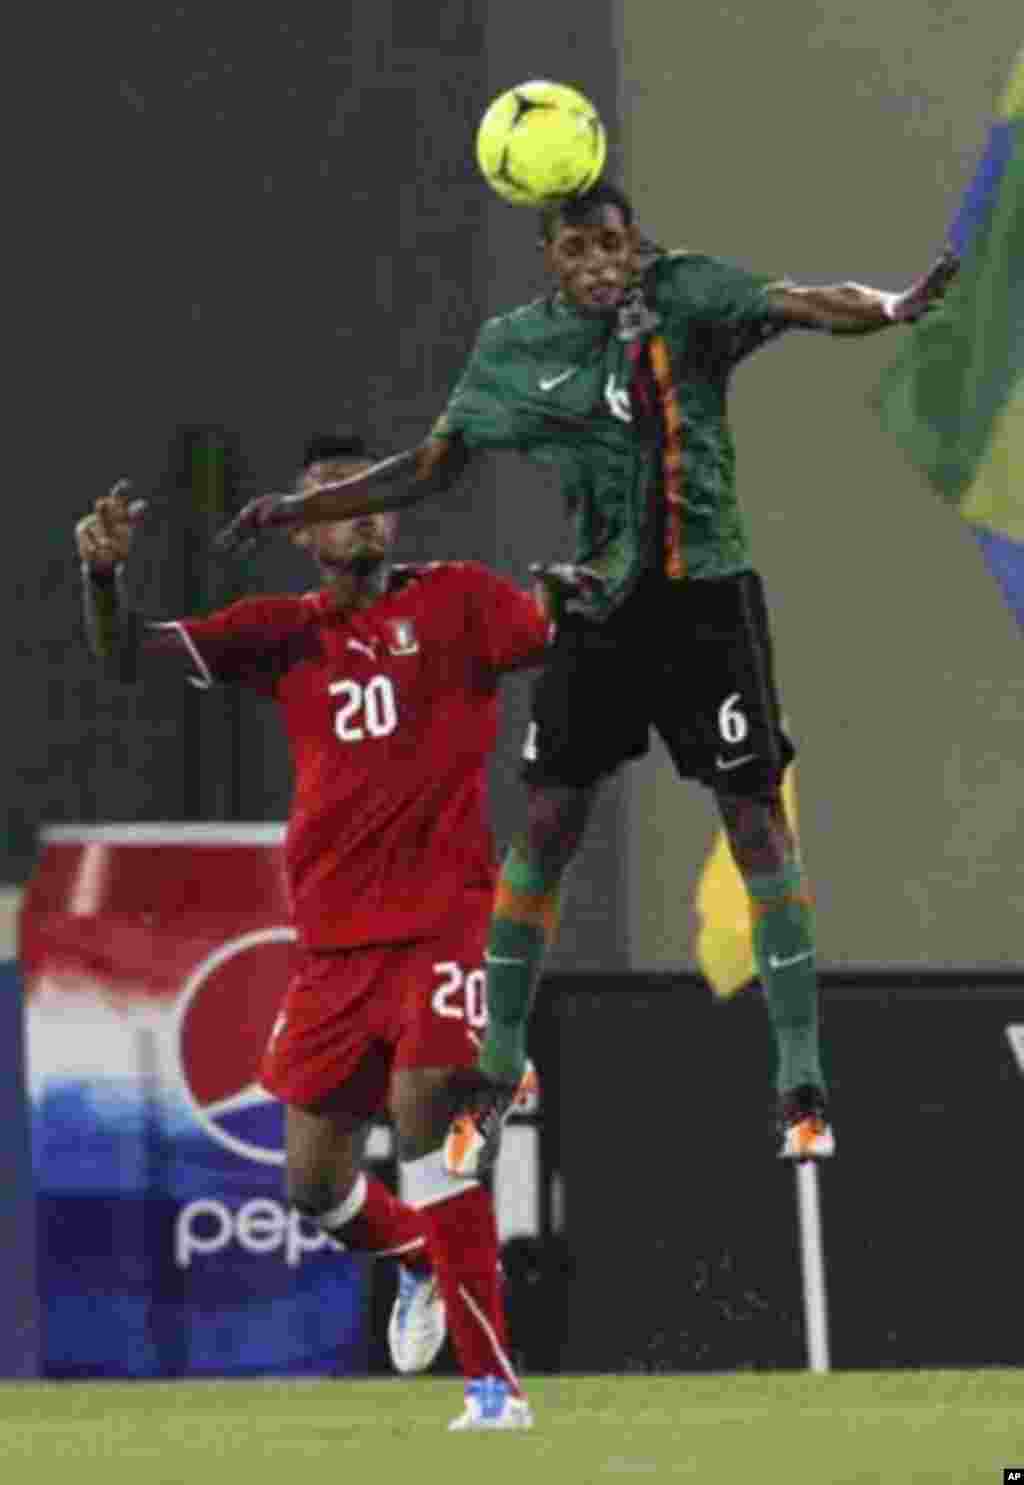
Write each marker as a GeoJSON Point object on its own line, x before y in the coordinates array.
{"type": "Point", "coordinates": [539, 142]}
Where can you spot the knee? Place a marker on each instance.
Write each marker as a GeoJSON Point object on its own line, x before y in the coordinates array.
{"type": "Point", "coordinates": [556, 820]}
{"type": "Point", "coordinates": [324, 1152]}
{"type": "Point", "coordinates": [759, 836]}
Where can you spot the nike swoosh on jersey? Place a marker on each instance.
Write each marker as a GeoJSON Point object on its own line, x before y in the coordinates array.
{"type": "Point", "coordinates": [726, 763]}
{"type": "Point", "coordinates": [775, 963]}
{"type": "Point", "coordinates": [497, 959]}
{"type": "Point", "coordinates": [549, 383]}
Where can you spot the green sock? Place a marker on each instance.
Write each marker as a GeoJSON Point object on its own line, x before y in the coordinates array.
{"type": "Point", "coordinates": [523, 925]}
{"type": "Point", "coordinates": [783, 934]}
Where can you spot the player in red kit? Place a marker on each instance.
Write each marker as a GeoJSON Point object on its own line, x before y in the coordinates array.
{"type": "Point", "coordinates": [387, 680]}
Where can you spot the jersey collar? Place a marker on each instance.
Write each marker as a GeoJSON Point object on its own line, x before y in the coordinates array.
{"type": "Point", "coordinates": [634, 316]}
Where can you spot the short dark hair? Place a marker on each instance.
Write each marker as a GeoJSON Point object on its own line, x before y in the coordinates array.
{"type": "Point", "coordinates": [342, 444]}
{"type": "Point", "coordinates": [573, 211]}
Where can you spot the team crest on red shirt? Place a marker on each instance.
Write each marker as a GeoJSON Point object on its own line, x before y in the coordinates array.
{"type": "Point", "coordinates": [403, 637]}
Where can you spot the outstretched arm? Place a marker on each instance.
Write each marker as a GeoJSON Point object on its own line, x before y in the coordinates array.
{"type": "Point", "coordinates": [404, 479]}
{"type": "Point", "coordinates": [856, 309]}
{"type": "Point", "coordinates": [240, 643]}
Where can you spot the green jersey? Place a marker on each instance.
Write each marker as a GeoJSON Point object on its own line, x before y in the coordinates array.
{"type": "Point", "coordinates": [556, 385]}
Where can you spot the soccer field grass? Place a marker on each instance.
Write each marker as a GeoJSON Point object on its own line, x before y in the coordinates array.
{"type": "Point", "coordinates": [872, 1428]}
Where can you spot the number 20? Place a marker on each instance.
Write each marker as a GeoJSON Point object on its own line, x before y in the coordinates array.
{"type": "Point", "coordinates": [474, 987]}
{"type": "Point", "coordinates": [369, 710]}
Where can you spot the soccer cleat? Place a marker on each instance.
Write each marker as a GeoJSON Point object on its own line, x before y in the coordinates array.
{"type": "Point", "coordinates": [417, 1327]}
{"type": "Point", "coordinates": [491, 1404]}
{"type": "Point", "coordinates": [806, 1134]}
{"type": "Point", "coordinates": [474, 1136]}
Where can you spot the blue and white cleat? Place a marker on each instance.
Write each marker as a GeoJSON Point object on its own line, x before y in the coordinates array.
{"type": "Point", "coordinates": [418, 1326]}
{"type": "Point", "coordinates": [491, 1404]}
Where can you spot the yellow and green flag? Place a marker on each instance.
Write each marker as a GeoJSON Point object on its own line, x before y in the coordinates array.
{"type": "Point", "coordinates": [955, 396]}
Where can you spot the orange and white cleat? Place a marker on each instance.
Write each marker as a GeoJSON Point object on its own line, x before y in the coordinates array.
{"type": "Point", "coordinates": [806, 1134]}
{"type": "Point", "coordinates": [474, 1136]}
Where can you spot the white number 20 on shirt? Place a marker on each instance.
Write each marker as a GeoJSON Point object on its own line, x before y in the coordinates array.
{"type": "Point", "coordinates": [364, 711]}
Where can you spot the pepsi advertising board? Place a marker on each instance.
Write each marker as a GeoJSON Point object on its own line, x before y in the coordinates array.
{"type": "Point", "coordinates": [154, 959]}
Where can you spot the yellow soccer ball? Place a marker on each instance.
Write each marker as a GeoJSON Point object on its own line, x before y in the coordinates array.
{"type": "Point", "coordinates": [539, 142]}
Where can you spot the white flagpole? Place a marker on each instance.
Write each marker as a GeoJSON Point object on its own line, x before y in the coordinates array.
{"type": "Point", "coordinates": [813, 1261]}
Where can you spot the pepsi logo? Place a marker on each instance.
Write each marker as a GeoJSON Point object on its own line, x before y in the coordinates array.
{"type": "Point", "coordinates": [225, 1016]}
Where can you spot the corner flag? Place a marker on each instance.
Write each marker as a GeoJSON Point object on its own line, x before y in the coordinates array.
{"type": "Point", "coordinates": [955, 395]}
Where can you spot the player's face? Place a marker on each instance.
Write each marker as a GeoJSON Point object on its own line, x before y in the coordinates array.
{"type": "Point", "coordinates": [342, 547]}
{"type": "Point", "coordinates": [594, 261]}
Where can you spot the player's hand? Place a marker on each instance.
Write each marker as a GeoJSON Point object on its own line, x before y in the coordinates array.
{"type": "Point", "coordinates": [927, 291]}
{"type": "Point", "coordinates": [255, 519]}
{"type": "Point", "coordinates": [563, 587]}
{"type": "Point", "coordinates": [104, 537]}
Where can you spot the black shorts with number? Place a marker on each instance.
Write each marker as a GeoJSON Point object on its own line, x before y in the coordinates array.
{"type": "Point", "coordinates": [692, 660]}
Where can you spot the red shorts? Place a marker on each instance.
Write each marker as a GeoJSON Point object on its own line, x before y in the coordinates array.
{"type": "Point", "coordinates": [351, 1016]}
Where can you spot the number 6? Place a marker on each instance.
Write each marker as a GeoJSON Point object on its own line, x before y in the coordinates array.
{"type": "Point", "coordinates": [732, 724]}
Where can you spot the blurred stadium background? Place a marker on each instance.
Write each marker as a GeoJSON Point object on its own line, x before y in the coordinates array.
{"type": "Point", "coordinates": [242, 225]}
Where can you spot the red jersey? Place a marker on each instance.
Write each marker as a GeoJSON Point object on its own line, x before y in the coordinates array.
{"type": "Point", "coordinates": [391, 713]}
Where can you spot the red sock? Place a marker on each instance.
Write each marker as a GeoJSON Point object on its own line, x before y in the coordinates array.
{"type": "Point", "coordinates": [464, 1243]}
{"type": "Point", "coordinates": [371, 1219]}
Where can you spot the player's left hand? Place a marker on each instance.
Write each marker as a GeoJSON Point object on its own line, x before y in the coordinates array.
{"type": "Point", "coordinates": [926, 292]}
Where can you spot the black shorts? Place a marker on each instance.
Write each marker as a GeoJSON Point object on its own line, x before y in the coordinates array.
{"type": "Point", "coordinates": [691, 659]}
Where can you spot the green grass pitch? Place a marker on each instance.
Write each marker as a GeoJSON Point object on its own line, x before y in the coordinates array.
{"type": "Point", "coordinates": [852, 1428]}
